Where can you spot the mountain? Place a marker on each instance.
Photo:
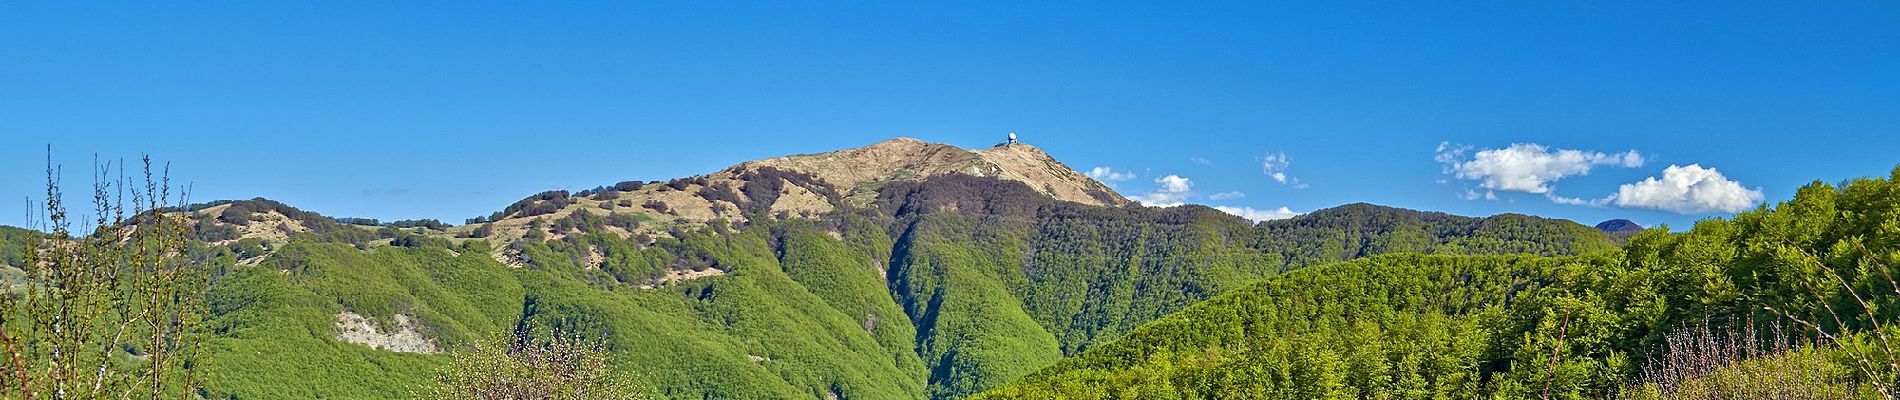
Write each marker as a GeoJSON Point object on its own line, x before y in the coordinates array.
{"type": "Point", "coordinates": [865, 169]}
{"type": "Point", "coordinates": [808, 185]}
{"type": "Point", "coordinates": [1621, 229]}
{"type": "Point", "coordinates": [1685, 307]}
{"type": "Point", "coordinates": [1619, 226]}
{"type": "Point", "coordinates": [1359, 230]}
{"type": "Point", "coordinates": [903, 269]}
{"type": "Point", "coordinates": [1398, 326]}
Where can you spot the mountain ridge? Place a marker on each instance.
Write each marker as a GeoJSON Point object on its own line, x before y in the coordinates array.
{"type": "Point", "coordinates": [1591, 325]}
{"type": "Point", "coordinates": [805, 185]}
{"type": "Point", "coordinates": [1619, 226]}
{"type": "Point", "coordinates": [893, 159]}
{"type": "Point", "coordinates": [939, 273]}
{"type": "Point", "coordinates": [801, 185]}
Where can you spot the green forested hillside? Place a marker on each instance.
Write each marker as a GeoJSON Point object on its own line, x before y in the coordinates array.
{"type": "Point", "coordinates": [937, 288]}
{"type": "Point", "coordinates": [1412, 326]}
{"type": "Point", "coordinates": [13, 242]}
{"type": "Point", "coordinates": [1408, 326]}
{"type": "Point", "coordinates": [1358, 230]}
{"type": "Point", "coordinates": [753, 333]}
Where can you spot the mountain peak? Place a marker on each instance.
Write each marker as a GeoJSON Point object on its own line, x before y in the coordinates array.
{"type": "Point", "coordinates": [899, 140]}
{"type": "Point", "coordinates": [800, 185]}
{"type": "Point", "coordinates": [1619, 226]}
{"type": "Point", "coordinates": [906, 158]}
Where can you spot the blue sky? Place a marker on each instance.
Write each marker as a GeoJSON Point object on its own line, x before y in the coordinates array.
{"type": "Point", "coordinates": [451, 110]}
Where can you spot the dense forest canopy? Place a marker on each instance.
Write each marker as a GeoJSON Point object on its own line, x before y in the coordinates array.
{"type": "Point", "coordinates": [1412, 326]}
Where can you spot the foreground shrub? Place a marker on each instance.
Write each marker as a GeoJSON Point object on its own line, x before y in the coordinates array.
{"type": "Point", "coordinates": [525, 368]}
{"type": "Point", "coordinates": [1739, 362]}
{"type": "Point", "coordinates": [110, 313]}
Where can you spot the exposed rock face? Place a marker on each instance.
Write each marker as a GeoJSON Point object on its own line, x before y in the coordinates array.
{"type": "Point", "coordinates": [908, 159]}
{"type": "Point", "coordinates": [814, 184]}
{"type": "Point", "coordinates": [354, 328]}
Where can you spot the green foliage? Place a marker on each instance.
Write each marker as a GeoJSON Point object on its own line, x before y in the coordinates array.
{"type": "Point", "coordinates": [13, 244]}
{"type": "Point", "coordinates": [114, 309]}
{"type": "Point", "coordinates": [1798, 374]}
{"type": "Point", "coordinates": [403, 238]}
{"type": "Point", "coordinates": [695, 339]}
{"type": "Point", "coordinates": [289, 305]}
{"type": "Point", "coordinates": [851, 280]}
{"type": "Point", "coordinates": [953, 275]}
{"type": "Point", "coordinates": [1403, 326]}
{"type": "Point", "coordinates": [481, 231]}
{"type": "Point", "coordinates": [419, 223]}
{"type": "Point", "coordinates": [524, 368]}
{"type": "Point", "coordinates": [240, 212]}
{"type": "Point", "coordinates": [1360, 230]}
{"type": "Point", "coordinates": [540, 204]}
{"type": "Point", "coordinates": [1518, 327]}
{"type": "Point", "coordinates": [1085, 275]}
{"type": "Point", "coordinates": [250, 247]}
{"type": "Point", "coordinates": [1094, 273]}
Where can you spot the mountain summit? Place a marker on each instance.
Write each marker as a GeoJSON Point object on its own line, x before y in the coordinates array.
{"type": "Point", "coordinates": [1619, 226]}
{"type": "Point", "coordinates": [803, 185]}
{"type": "Point", "coordinates": [906, 159]}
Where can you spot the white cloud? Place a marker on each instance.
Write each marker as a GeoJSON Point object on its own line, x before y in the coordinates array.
{"type": "Point", "coordinates": [1471, 194]}
{"type": "Point", "coordinates": [1688, 189]}
{"type": "Point", "coordinates": [1274, 166]}
{"type": "Point", "coordinates": [1174, 184]}
{"type": "Point", "coordinates": [1171, 190]}
{"type": "Point", "coordinates": [1174, 190]}
{"type": "Point", "coordinates": [1526, 167]}
{"type": "Point", "coordinates": [1106, 174]}
{"type": "Point", "coordinates": [1575, 201]}
{"type": "Point", "coordinates": [1258, 215]}
{"type": "Point", "coordinates": [1201, 160]}
{"type": "Point", "coordinates": [1449, 154]}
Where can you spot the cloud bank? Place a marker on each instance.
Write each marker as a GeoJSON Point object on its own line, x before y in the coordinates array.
{"type": "Point", "coordinates": [1689, 189]}
{"type": "Point", "coordinates": [1174, 190]}
{"type": "Point", "coordinates": [1526, 167]}
{"type": "Point", "coordinates": [1171, 190]}
{"type": "Point", "coordinates": [1533, 168]}
{"type": "Point", "coordinates": [1257, 215]}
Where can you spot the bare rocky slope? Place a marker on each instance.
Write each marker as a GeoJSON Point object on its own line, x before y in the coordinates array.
{"type": "Point", "coordinates": [805, 185]}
